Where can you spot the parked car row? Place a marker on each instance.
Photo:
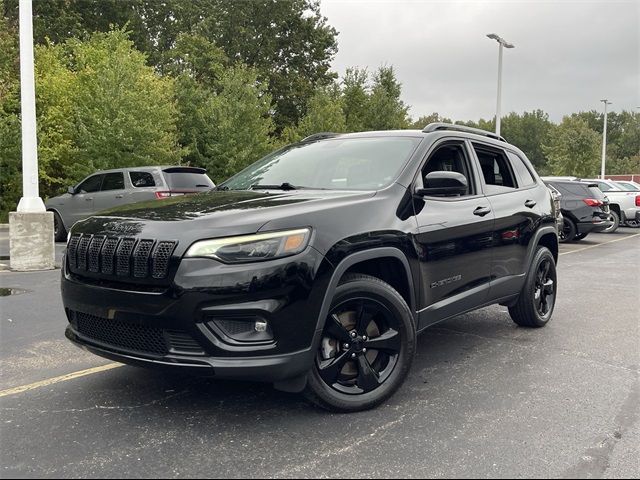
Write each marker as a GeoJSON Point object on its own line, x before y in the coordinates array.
{"type": "Point", "coordinates": [594, 205]}
{"type": "Point", "coordinates": [107, 189]}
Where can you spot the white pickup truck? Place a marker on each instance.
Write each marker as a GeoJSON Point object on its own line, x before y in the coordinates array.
{"type": "Point", "coordinates": [624, 205]}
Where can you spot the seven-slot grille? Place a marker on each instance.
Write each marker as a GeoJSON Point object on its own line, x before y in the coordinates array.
{"type": "Point", "coordinates": [132, 337]}
{"type": "Point", "coordinates": [122, 257]}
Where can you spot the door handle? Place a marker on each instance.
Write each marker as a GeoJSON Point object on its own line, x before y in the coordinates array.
{"type": "Point", "coordinates": [88, 199]}
{"type": "Point", "coordinates": [530, 203]}
{"type": "Point", "coordinates": [481, 211]}
{"type": "Point", "coordinates": [119, 196]}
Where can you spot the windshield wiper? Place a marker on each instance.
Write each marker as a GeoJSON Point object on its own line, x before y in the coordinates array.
{"type": "Point", "coordinates": [283, 186]}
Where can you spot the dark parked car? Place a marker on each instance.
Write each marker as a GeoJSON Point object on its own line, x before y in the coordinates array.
{"type": "Point", "coordinates": [113, 188]}
{"type": "Point", "coordinates": [316, 267]}
{"type": "Point", "coordinates": [585, 209]}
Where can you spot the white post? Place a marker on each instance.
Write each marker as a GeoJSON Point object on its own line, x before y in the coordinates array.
{"type": "Point", "coordinates": [604, 140]}
{"type": "Point", "coordinates": [498, 106]}
{"type": "Point", "coordinates": [30, 201]}
{"type": "Point", "coordinates": [502, 43]}
{"type": "Point", "coordinates": [31, 228]}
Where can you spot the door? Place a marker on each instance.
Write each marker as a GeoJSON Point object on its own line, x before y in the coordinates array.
{"type": "Point", "coordinates": [80, 205]}
{"type": "Point", "coordinates": [515, 198]}
{"type": "Point", "coordinates": [454, 239]}
{"type": "Point", "coordinates": [112, 193]}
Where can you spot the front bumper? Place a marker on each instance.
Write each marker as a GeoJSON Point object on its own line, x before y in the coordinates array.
{"type": "Point", "coordinates": [174, 328]}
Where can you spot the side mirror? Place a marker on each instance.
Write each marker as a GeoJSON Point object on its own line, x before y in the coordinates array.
{"type": "Point", "coordinates": [71, 190]}
{"type": "Point", "coordinates": [444, 183]}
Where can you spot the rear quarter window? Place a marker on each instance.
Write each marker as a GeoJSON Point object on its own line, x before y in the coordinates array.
{"type": "Point", "coordinates": [142, 179]}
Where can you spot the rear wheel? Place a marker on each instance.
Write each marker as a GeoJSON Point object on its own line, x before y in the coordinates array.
{"type": "Point", "coordinates": [568, 232]}
{"type": "Point", "coordinates": [59, 232]}
{"type": "Point", "coordinates": [616, 222]}
{"type": "Point", "coordinates": [367, 347]}
{"type": "Point", "coordinates": [538, 297]}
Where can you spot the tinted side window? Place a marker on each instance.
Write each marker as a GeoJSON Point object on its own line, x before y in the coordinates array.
{"type": "Point", "coordinates": [497, 174]}
{"type": "Point", "coordinates": [522, 171]}
{"type": "Point", "coordinates": [91, 184]}
{"type": "Point", "coordinates": [142, 179]}
{"type": "Point", "coordinates": [113, 181]}
{"type": "Point", "coordinates": [449, 158]}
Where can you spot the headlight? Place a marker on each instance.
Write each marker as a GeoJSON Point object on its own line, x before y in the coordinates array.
{"type": "Point", "coordinates": [251, 248]}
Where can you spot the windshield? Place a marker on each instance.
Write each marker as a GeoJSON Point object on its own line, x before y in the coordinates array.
{"type": "Point", "coordinates": [629, 187]}
{"type": "Point", "coordinates": [368, 163]}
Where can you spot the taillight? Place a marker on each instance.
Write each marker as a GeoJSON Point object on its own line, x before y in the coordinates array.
{"type": "Point", "coordinates": [637, 200]}
{"type": "Point", "coordinates": [592, 202]}
{"type": "Point", "coordinates": [160, 195]}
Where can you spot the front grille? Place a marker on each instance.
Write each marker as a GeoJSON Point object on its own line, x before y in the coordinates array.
{"type": "Point", "coordinates": [131, 337]}
{"type": "Point", "coordinates": [120, 257]}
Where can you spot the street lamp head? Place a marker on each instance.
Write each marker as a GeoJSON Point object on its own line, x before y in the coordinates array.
{"type": "Point", "coordinates": [500, 40]}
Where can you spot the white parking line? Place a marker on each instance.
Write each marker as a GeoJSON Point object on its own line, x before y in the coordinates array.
{"type": "Point", "coordinates": [601, 244]}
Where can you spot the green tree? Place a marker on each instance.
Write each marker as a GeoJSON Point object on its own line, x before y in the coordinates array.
{"type": "Point", "coordinates": [355, 98]}
{"type": "Point", "coordinates": [573, 149]}
{"type": "Point", "coordinates": [324, 114]}
{"type": "Point", "coordinates": [529, 132]}
{"type": "Point", "coordinates": [386, 110]}
{"type": "Point", "coordinates": [124, 112]}
{"type": "Point", "coordinates": [425, 120]}
{"type": "Point", "coordinates": [239, 123]}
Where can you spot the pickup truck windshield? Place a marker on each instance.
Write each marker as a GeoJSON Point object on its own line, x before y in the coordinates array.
{"type": "Point", "coordinates": [368, 163]}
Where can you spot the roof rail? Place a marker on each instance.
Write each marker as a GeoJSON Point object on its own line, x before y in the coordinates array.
{"type": "Point", "coordinates": [434, 127]}
{"type": "Point", "coordinates": [319, 136]}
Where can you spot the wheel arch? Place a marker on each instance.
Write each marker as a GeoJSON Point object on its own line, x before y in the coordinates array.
{"type": "Point", "coordinates": [547, 237]}
{"type": "Point", "coordinates": [55, 210]}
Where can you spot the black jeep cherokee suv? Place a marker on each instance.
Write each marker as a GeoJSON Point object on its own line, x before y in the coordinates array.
{"type": "Point", "coordinates": [315, 267]}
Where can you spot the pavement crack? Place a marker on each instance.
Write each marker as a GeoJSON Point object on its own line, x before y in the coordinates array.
{"type": "Point", "coordinates": [595, 462]}
{"type": "Point", "coordinates": [322, 456]}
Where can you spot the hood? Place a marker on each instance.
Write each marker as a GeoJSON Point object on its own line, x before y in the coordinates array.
{"type": "Point", "coordinates": [212, 214]}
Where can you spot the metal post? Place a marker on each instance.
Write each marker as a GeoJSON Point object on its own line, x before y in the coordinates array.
{"type": "Point", "coordinates": [604, 140]}
{"type": "Point", "coordinates": [502, 44]}
{"type": "Point", "coordinates": [498, 106]}
{"type": "Point", "coordinates": [30, 201]}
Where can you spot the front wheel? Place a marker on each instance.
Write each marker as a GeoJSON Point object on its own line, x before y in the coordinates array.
{"type": "Point", "coordinates": [367, 347]}
{"type": "Point", "coordinates": [59, 232]}
{"type": "Point", "coordinates": [537, 299]}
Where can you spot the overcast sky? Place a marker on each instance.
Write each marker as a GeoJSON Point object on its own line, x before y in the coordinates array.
{"type": "Point", "coordinates": [568, 55]}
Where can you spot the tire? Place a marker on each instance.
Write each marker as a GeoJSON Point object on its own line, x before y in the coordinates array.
{"type": "Point", "coordinates": [349, 374]}
{"type": "Point", "coordinates": [616, 222]}
{"type": "Point", "coordinates": [568, 232]}
{"type": "Point", "coordinates": [632, 224]}
{"type": "Point", "coordinates": [537, 299]}
{"type": "Point", "coordinates": [580, 236]}
{"type": "Point", "coordinates": [59, 232]}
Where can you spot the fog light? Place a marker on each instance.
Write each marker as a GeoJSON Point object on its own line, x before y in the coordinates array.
{"type": "Point", "coordinates": [260, 326]}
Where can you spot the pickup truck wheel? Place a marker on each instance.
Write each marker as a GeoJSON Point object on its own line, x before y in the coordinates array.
{"type": "Point", "coordinates": [367, 347]}
{"type": "Point", "coordinates": [537, 299]}
{"type": "Point", "coordinates": [568, 232]}
{"type": "Point", "coordinates": [616, 223]}
{"type": "Point", "coordinates": [59, 232]}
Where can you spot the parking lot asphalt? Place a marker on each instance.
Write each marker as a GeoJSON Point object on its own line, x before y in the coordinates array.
{"type": "Point", "coordinates": [485, 398]}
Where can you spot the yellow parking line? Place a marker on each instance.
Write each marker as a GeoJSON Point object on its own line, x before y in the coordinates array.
{"type": "Point", "coordinates": [600, 244]}
{"type": "Point", "coordinates": [61, 378]}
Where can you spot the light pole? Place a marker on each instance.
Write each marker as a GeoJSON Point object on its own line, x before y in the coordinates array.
{"type": "Point", "coordinates": [604, 138]}
{"type": "Point", "coordinates": [31, 228]}
{"type": "Point", "coordinates": [502, 44]}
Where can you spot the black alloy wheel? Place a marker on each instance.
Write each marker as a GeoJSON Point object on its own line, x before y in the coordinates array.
{"type": "Point", "coordinates": [536, 302]}
{"type": "Point", "coordinates": [568, 232]}
{"type": "Point", "coordinates": [59, 232]}
{"type": "Point", "coordinates": [360, 348]}
{"type": "Point", "coordinates": [366, 349]}
{"type": "Point", "coordinates": [545, 287]}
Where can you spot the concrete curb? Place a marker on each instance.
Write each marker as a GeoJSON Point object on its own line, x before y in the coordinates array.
{"type": "Point", "coordinates": [4, 227]}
